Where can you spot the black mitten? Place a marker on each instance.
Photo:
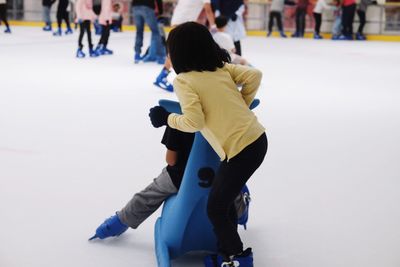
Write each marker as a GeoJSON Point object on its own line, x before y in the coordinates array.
{"type": "Point", "coordinates": [234, 17]}
{"type": "Point", "coordinates": [158, 116]}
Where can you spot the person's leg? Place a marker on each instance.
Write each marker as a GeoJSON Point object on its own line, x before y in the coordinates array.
{"type": "Point", "coordinates": [361, 16]}
{"type": "Point", "coordinates": [138, 16]}
{"type": "Point", "coordinates": [146, 202]}
{"type": "Point", "coordinates": [59, 15]}
{"type": "Point", "coordinates": [345, 21]}
{"type": "Point", "coordinates": [46, 15]}
{"type": "Point", "coordinates": [352, 12]}
{"type": "Point", "coordinates": [105, 35]}
{"type": "Point", "coordinates": [238, 48]}
{"type": "Point", "coordinates": [318, 20]}
{"type": "Point", "coordinates": [270, 22]}
{"type": "Point", "coordinates": [3, 14]}
{"type": "Point", "coordinates": [155, 45]}
{"type": "Point", "coordinates": [66, 19]}
{"type": "Point", "coordinates": [81, 34]}
{"type": "Point", "coordinates": [89, 33]}
{"type": "Point", "coordinates": [303, 22]}
{"type": "Point", "coordinates": [279, 21]}
{"type": "Point", "coordinates": [298, 14]}
{"type": "Point", "coordinates": [231, 176]}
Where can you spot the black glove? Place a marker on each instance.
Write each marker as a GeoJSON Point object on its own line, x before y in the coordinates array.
{"type": "Point", "coordinates": [234, 17]}
{"type": "Point", "coordinates": [158, 116]}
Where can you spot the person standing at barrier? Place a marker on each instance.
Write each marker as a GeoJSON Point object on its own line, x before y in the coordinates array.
{"type": "Point", "coordinates": [85, 16]}
{"type": "Point", "coordinates": [301, 13]}
{"type": "Point", "coordinates": [62, 14]}
{"type": "Point", "coordinates": [211, 103]}
{"type": "Point", "coordinates": [276, 13]}
{"type": "Point", "coordinates": [361, 12]}
{"type": "Point", "coordinates": [185, 10]}
{"type": "Point", "coordinates": [3, 15]}
{"type": "Point", "coordinates": [47, 14]}
{"type": "Point", "coordinates": [317, 12]}
{"type": "Point", "coordinates": [348, 12]}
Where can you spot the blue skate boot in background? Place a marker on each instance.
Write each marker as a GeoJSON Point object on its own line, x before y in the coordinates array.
{"type": "Point", "coordinates": [137, 58]}
{"type": "Point", "coordinates": [317, 36]}
{"type": "Point", "coordinates": [110, 227]}
{"type": "Point", "coordinates": [360, 37]}
{"type": "Point", "coordinates": [58, 32]}
{"type": "Point", "coordinates": [244, 259]}
{"type": "Point", "coordinates": [162, 81]}
{"type": "Point", "coordinates": [68, 31]}
{"type": "Point", "coordinates": [79, 53]}
{"type": "Point", "coordinates": [242, 220]}
{"type": "Point", "coordinates": [93, 53]}
{"type": "Point", "coordinates": [282, 34]}
{"type": "Point", "coordinates": [105, 51]}
{"type": "Point", "coordinates": [47, 28]}
{"type": "Point", "coordinates": [7, 30]}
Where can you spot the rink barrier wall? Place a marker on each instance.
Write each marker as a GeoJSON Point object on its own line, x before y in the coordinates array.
{"type": "Point", "coordinates": [386, 38]}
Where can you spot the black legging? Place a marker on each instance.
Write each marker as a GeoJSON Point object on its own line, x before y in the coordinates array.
{"type": "Point", "coordinates": [347, 19]}
{"type": "Point", "coordinates": [105, 34]}
{"type": "Point", "coordinates": [278, 17]}
{"type": "Point", "coordinates": [3, 14]}
{"type": "Point", "coordinates": [62, 13]}
{"type": "Point", "coordinates": [318, 21]}
{"type": "Point", "coordinates": [230, 178]}
{"type": "Point", "coordinates": [361, 16]}
{"type": "Point", "coordinates": [238, 48]}
{"type": "Point", "coordinates": [300, 21]}
{"type": "Point", "coordinates": [85, 26]}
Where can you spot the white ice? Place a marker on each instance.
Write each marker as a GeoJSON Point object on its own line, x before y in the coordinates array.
{"type": "Point", "coordinates": [76, 144]}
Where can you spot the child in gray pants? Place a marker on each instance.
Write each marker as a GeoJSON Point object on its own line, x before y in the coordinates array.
{"type": "Point", "coordinates": [146, 202]}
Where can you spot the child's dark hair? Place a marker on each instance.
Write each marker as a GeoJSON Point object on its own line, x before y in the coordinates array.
{"type": "Point", "coordinates": [191, 47]}
{"type": "Point", "coordinates": [221, 21]}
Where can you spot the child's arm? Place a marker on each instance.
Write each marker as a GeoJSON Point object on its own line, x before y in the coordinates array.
{"type": "Point", "coordinates": [171, 157]}
{"type": "Point", "coordinates": [193, 119]}
{"type": "Point", "coordinates": [249, 78]}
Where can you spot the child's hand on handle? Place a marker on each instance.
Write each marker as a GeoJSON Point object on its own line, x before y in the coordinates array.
{"type": "Point", "coordinates": [158, 116]}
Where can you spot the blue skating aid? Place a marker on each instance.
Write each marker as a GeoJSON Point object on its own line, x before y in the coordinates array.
{"type": "Point", "coordinates": [184, 225]}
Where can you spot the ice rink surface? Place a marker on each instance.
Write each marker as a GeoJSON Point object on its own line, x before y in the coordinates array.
{"type": "Point", "coordinates": [76, 143]}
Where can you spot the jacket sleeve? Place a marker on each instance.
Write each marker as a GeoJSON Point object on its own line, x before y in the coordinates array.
{"type": "Point", "coordinates": [193, 119]}
{"type": "Point", "coordinates": [249, 78]}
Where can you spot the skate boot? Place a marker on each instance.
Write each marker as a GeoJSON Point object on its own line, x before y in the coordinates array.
{"type": "Point", "coordinates": [317, 36]}
{"type": "Point", "coordinates": [137, 58]}
{"type": "Point", "coordinates": [93, 53]}
{"type": "Point", "coordinates": [68, 31]}
{"type": "Point", "coordinates": [244, 259]}
{"type": "Point", "coordinates": [295, 35]}
{"type": "Point", "coordinates": [47, 28]}
{"type": "Point", "coordinates": [105, 51]}
{"type": "Point", "coordinates": [269, 34]}
{"type": "Point", "coordinates": [242, 220]}
{"type": "Point", "coordinates": [79, 53]}
{"type": "Point", "coordinates": [282, 34]}
{"type": "Point", "coordinates": [7, 30]}
{"type": "Point", "coordinates": [110, 227]}
{"type": "Point", "coordinates": [149, 58]}
{"type": "Point", "coordinates": [162, 81]}
{"type": "Point", "coordinates": [160, 60]}
{"type": "Point", "coordinates": [58, 32]}
{"type": "Point", "coordinates": [360, 37]}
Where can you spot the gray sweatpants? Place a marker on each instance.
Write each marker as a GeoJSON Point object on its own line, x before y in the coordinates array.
{"type": "Point", "coordinates": [147, 201]}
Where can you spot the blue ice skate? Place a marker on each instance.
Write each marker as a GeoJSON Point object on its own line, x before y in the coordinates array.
{"type": "Point", "coordinates": [184, 225]}
{"type": "Point", "coordinates": [7, 30]}
{"type": "Point", "coordinates": [282, 34]}
{"type": "Point", "coordinates": [58, 32]}
{"type": "Point", "coordinates": [162, 81]}
{"type": "Point", "coordinates": [242, 220]}
{"type": "Point", "coordinates": [360, 37]}
{"type": "Point", "coordinates": [105, 51]}
{"type": "Point", "coordinates": [69, 31]}
{"type": "Point", "coordinates": [93, 53]}
{"type": "Point", "coordinates": [47, 28]}
{"type": "Point", "coordinates": [245, 259]}
{"type": "Point", "coordinates": [110, 227]}
{"type": "Point", "coordinates": [79, 53]}
{"type": "Point", "coordinates": [317, 36]}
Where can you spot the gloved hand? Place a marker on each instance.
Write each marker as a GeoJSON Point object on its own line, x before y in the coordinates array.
{"type": "Point", "coordinates": [234, 17]}
{"type": "Point", "coordinates": [158, 116]}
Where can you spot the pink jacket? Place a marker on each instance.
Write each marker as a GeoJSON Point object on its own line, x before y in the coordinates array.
{"type": "Point", "coordinates": [84, 10]}
{"type": "Point", "coordinates": [106, 12]}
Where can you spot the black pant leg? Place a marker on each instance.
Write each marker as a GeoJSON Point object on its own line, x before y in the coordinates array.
{"type": "Point", "coordinates": [59, 15]}
{"type": "Point", "coordinates": [279, 21]}
{"type": "Point", "coordinates": [271, 21]}
{"type": "Point", "coordinates": [352, 12]}
{"type": "Point", "coordinates": [81, 33]}
{"type": "Point", "coordinates": [89, 34]}
{"type": "Point", "coordinates": [318, 21]}
{"type": "Point", "coordinates": [231, 176]}
{"type": "Point", "coordinates": [105, 34]}
{"type": "Point", "coordinates": [361, 16]}
{"type": "Point", "coordinates": [238, 48]}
